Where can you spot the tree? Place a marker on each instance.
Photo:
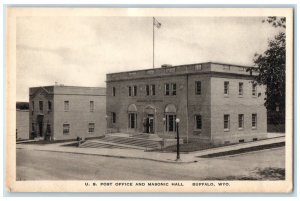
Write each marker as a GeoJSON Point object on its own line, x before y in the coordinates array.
{"type": "Point", "coordinates": [271, 67]}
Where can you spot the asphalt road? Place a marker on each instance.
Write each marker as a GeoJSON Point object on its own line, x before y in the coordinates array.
{"type": "Point", "coordinates": [42, 165]}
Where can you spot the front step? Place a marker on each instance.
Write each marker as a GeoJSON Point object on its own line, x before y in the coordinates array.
{"type": "Point", "coordinates": [113, 141]}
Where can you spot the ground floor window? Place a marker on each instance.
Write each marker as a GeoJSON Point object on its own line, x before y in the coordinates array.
{"type": "Point", "coordinates": [226, 122]}
{"type": "Point", "coordinates": [91, 128]}
{"type": "Point", "coordinates": [198, 122]}
{"type": "Point", "coordinates": [132, 120]}
{"type": "Point", "coordinates": [241, 121]}
{"type": "Point", "coordinates": [66, 129]}
{"type": "Point", "coordinates": [114, 117]}
{"type": "Point", "coordinates": [254, 120]}
{"type": "Point", "coordinates": [170, 123]}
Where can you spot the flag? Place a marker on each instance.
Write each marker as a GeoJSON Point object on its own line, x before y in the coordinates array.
{"type": "Point", "coordinates": [156, 23]}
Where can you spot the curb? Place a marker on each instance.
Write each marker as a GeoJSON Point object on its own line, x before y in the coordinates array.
{"type": "Point", "coordinates": [113, 156]}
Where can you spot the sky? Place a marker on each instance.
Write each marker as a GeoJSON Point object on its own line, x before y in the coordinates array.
{"type": "Point", "coordinates": [80, 51]}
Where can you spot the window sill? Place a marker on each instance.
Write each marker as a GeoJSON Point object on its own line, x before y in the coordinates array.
{"type": "Point", "coordinates": [197, 130]}
{"type": "Point", "coordinates": [240, 129]}
{"type": "Point", "coordinates": [226, 130]}
{"type": "Point", "coordinates": [241, 96]}
{"type": "Point", "coordinates": [226, 96]}
{"type": "Point", "coordinates": [254, 128]}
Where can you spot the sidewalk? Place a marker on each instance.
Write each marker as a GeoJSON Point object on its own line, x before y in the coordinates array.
{"type": "Point", "coordinates": [141, 154]}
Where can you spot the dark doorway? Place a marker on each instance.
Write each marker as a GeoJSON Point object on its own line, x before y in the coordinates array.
{"type": "Point", "coordinates": [40, 121]}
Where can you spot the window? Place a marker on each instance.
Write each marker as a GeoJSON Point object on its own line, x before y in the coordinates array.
{"type": "Point", "coordinates": [167, 89]}
{"type": "Point", "coordinates": [147, 90]}
{"type": "Point", "coordinates": [66, 129]}
{"type": "Point", "coordinates": [198, 67]}
{"type": "Point", "coordinates": [49, 106]}
{"type": "Point", "coordinates": [32, 105]}
{"type": "Point", "coordinates": [241, 90]}
{"type": "Point", "coordinates": [173, 85]}
{"type": "Point", "coordinates": [226, 88]}
{"type": "Point", "coordinates": [132, 120]}
{"type": "Point", "coordinates": [66, 105]}
{"type": "Point", "coordinates": [114, 117]}
{"type": "Point", "coordinates": [226, 122]}
{"type": "Point", "coordinates": [91, 106]}
{"type": "Point", "coordinates": [41, 106]}
{"type": "Point", "coordinates": [254, 120]}
{"type": "Point", "coordinates": [152, 90]}
{"type": "Point", "coordinates": [198, 122]}
{"type": "Point", "coordinates": [241, 121]}
{"type": "Point", "coordinates": [170, 89]}
{"type": "Point", "coordinates": [129, 91]}
{"type": "Point", "coordinates": [134, 90]}
{"type": "Point", "coordinates": [198, 87]}
{"type": "Point", "coordinates": [254, 89]}
{"type": "Point", "coordinates": [113, 91]}
{"type": "Point", "coordinates": [91, 127]}
{"type": "Point", "coordinates": [170, 123]}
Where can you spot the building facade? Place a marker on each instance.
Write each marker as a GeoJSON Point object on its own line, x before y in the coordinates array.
{"type": "Point", "coordinates": [66, 112]}
{"type": "Point", "coordinates": [214, 102]}
{"type": "Point", "coordinates": [22, 122]}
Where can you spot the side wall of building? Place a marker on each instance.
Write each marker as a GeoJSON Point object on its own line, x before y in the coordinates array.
{"type": "Point", "coordinates": [233, 105]}
{"type": "Point", "coordinates": [199, 104]}
{"type": "Point", "coordinates": [22, 120]}
{"type": "Point", "coordinates": [79, 116]}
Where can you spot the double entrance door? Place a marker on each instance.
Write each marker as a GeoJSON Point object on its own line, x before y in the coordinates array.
{"type": "Point", "coordinates": [149, 124]}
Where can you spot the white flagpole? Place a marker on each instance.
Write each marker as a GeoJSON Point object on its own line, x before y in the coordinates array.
{"type": "Point", "coordinates": [153, 39]}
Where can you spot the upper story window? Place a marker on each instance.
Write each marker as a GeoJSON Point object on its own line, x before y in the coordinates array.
{"type": "Point", "coordinates": [170, 89]}
{"type": "Point", "coordinates": [49, 106]}
{"type": "Point", "coordinates": [91, 106]}
{"type": "Point", "coordinates": [150, 90]}
{"type": "Point", "coordinates": [66, 105]}
{"type": "Point", "coordinates": [198, 87]}
{"type": "Point", "coordinates": [226, 122]}
{"type": "Point", "coordinates": [41, 106]}
{"type": "Point", "coordinates": [241, 88]}
{"type": "Point", "coordinates": [114, 91]}
{"type": "Point", "coordinates": [254, 89]}
{"type": "Point", "coordinates": [198, 67]}
{"type": "Point", "coordinates": [32, 105]}
{"type": "Point", "coordinates": [129, 91]}
{"type": "Point", "coordinates": [132, 90]}
{"type": "Point", "coordinates": [226, 88]}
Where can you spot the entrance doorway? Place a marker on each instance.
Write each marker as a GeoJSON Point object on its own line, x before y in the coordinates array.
{"type": "Point", "coordinates": [150, 123]}
{"type": "Point", "coordinates": [40, 121]}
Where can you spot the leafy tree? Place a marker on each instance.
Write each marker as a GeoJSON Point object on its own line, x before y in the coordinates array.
{"type": "Point", "coordinates": [271, 67]}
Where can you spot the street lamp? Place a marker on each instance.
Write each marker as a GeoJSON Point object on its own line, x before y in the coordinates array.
{"type": "Point", "coordinates": [177, 129]}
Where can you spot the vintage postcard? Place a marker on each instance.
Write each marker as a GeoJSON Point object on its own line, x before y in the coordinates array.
{"type": "Point", "coordinates": [149, 99]}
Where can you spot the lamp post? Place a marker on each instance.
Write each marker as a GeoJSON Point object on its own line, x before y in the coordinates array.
{"type": "Point", "coordinates": [177, 130]}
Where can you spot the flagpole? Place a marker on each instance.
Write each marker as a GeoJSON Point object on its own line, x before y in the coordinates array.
{"type": "Point", "coordinates": [153, 39]}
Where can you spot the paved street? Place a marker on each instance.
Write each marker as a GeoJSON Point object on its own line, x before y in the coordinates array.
{"type": "Point", "coordinates": [44, 165]}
